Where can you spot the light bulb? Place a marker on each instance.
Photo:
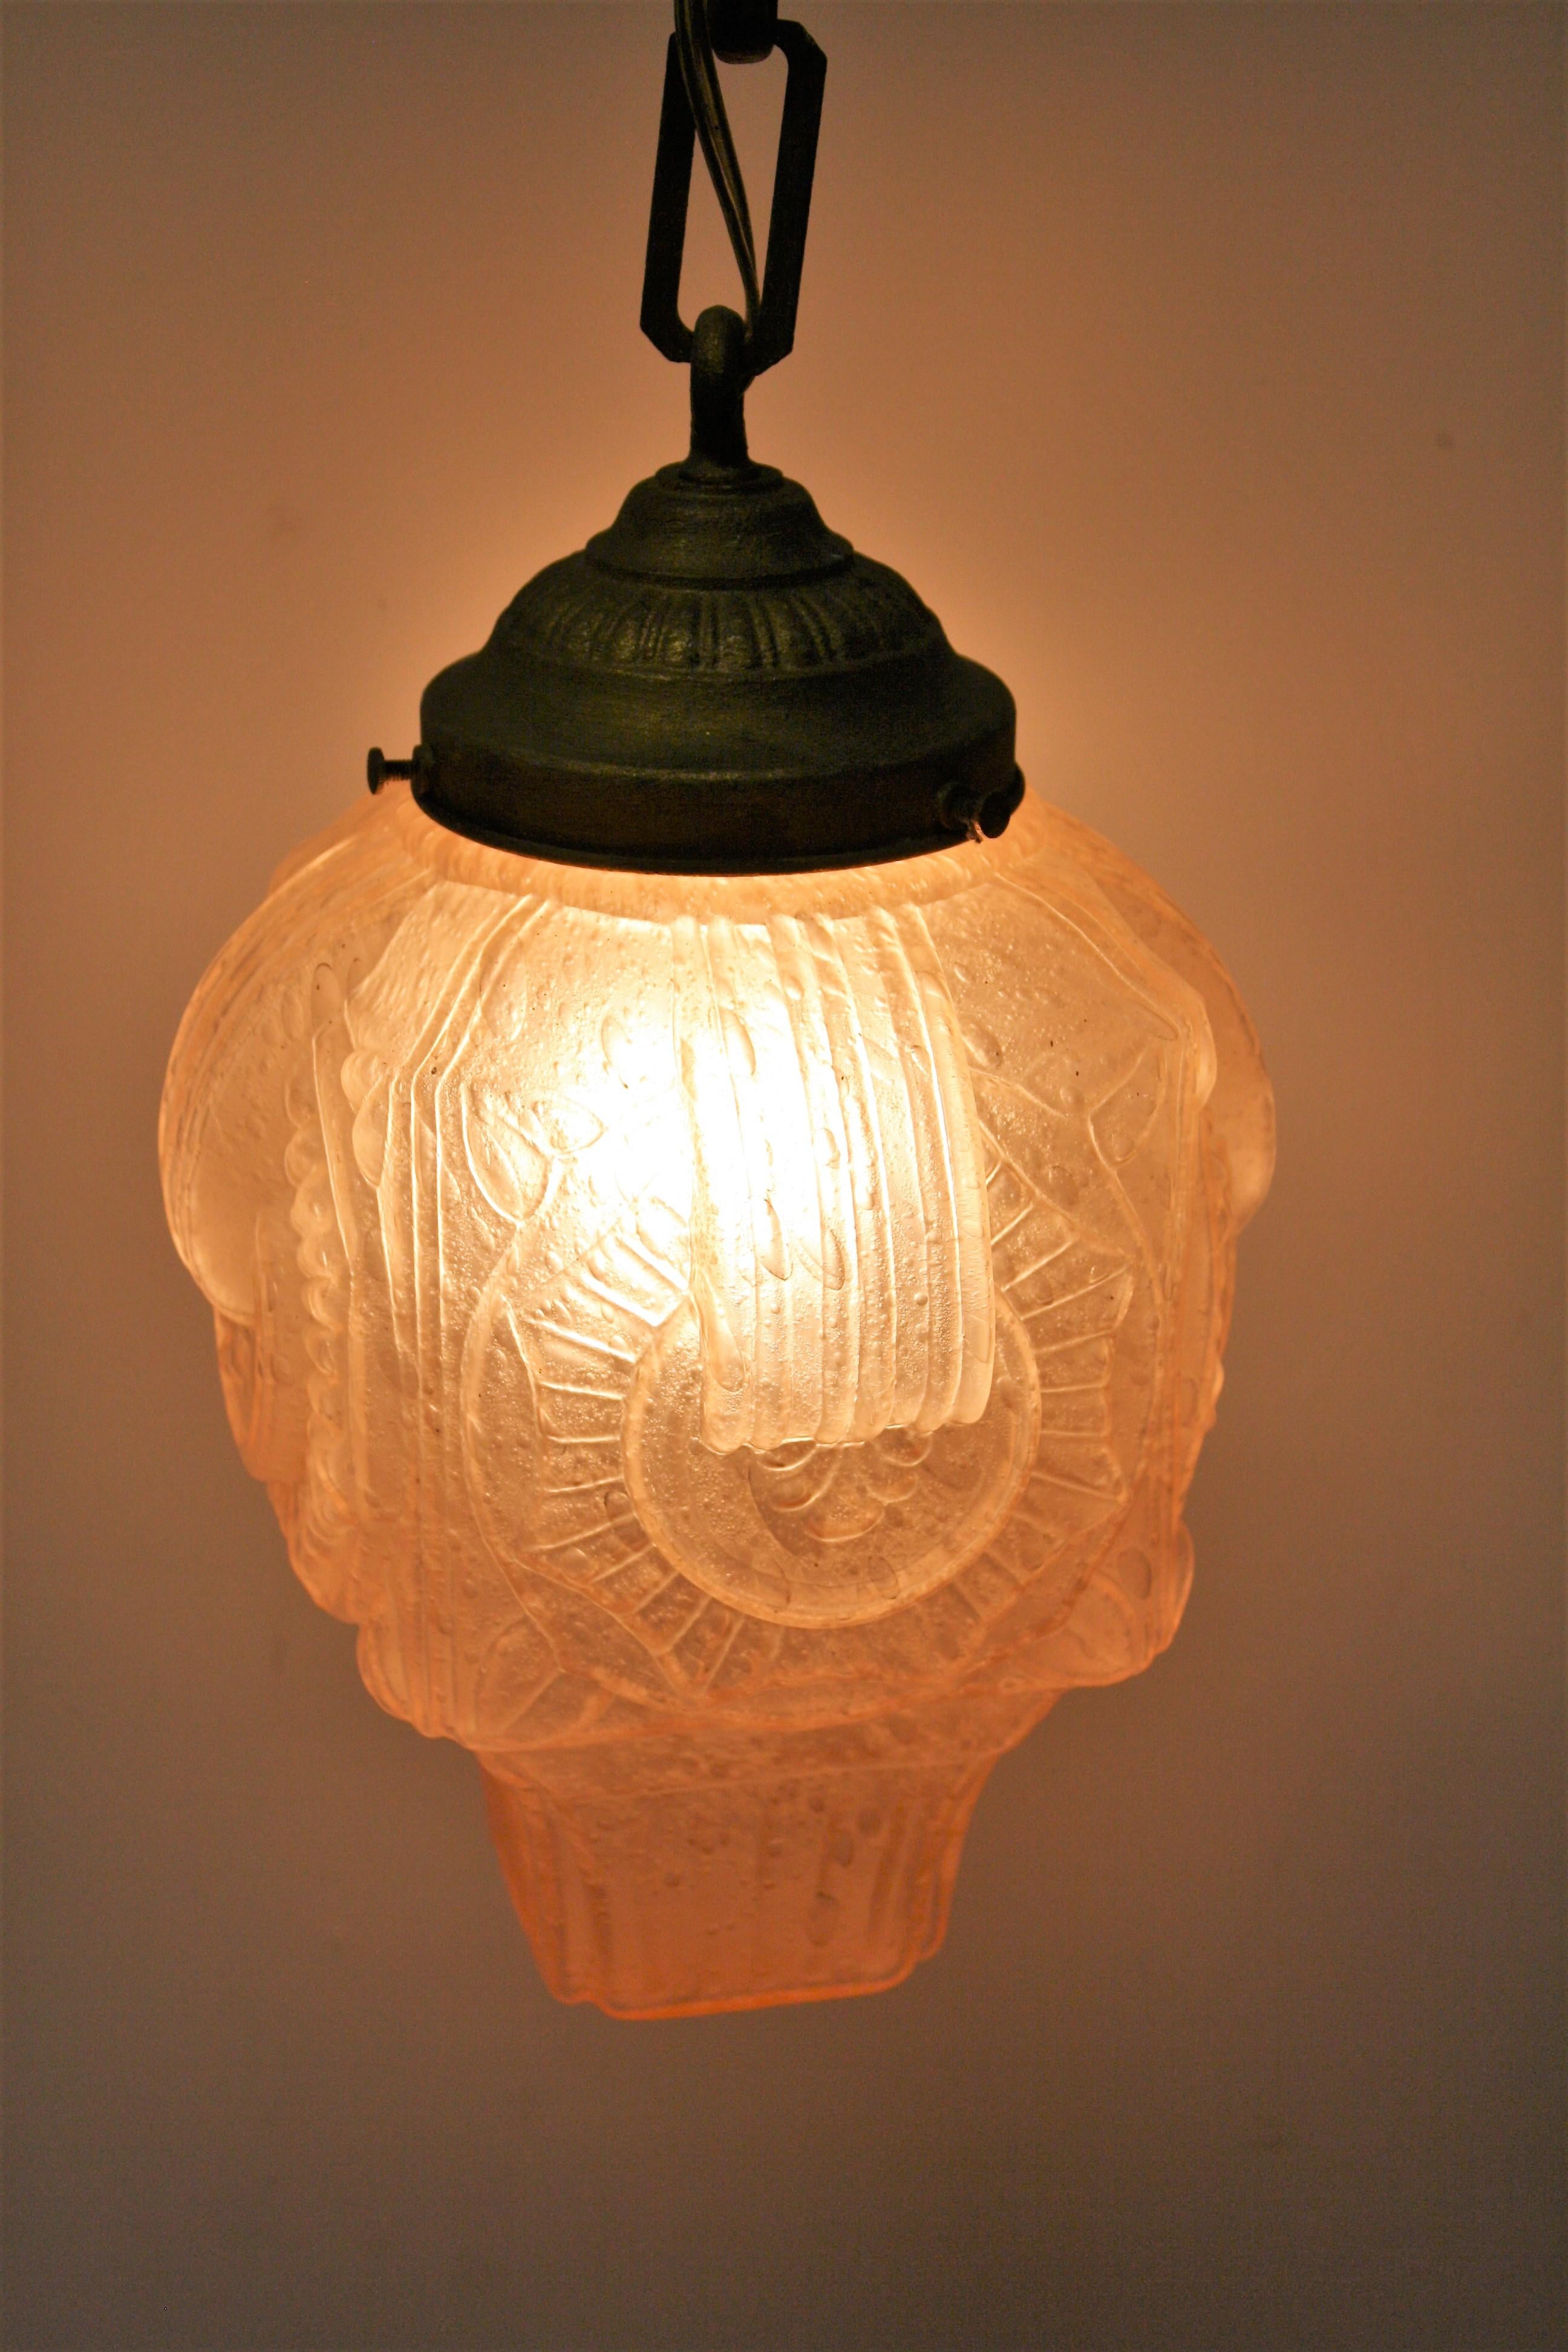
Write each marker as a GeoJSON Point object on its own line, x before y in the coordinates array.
{"type": "Point", "coordinates": [736, 1346]}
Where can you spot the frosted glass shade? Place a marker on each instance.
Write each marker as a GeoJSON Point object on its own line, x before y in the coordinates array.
{"type": "Point", "coordinates": [736, 1348]}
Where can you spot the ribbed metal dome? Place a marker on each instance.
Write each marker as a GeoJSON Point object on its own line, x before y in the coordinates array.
{"type": "Point", "coordinates": [717, 684]}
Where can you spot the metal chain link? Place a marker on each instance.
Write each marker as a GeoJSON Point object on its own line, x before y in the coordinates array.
{"type": "Point", "coordinates": [699, 72]}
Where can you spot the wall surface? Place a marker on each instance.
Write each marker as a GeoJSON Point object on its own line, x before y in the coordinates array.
{"type": "Point", "coordinates": [1204, 367]}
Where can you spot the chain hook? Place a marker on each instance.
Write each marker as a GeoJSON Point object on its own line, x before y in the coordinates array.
{"type": "Point", "coordinates": [741, 32]}
{"type": "Point", "coordinates": [694, 47]}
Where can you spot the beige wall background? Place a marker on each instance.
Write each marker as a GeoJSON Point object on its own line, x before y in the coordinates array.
{"type": "Point", "coordinates": [1204, 367]}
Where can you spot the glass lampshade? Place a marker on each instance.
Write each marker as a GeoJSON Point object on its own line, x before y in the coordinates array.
{"type": "Point", "coordinates": [736, 1346]}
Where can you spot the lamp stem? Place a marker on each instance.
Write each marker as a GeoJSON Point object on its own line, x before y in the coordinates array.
{"type": "Point", "coordinates": [717, 394]}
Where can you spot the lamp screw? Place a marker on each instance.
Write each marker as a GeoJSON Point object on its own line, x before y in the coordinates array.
{"type": "Point", "coordinates": [965, 810]}
{"type": "Point", "coordinates": [960, 805]}
{"type": "Point", "coordinates": [379, 769]}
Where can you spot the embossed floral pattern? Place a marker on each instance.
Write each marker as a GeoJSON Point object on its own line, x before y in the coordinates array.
{"type": "Point", "coordinates": [736, 1348]}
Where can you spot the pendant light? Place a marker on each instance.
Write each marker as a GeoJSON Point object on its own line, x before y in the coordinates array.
{"type": "Point", "coordinates": [719, 1209]}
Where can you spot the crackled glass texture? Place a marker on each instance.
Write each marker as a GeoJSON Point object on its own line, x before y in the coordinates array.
{"type": "Point", "coordinates": [737, 1349]}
